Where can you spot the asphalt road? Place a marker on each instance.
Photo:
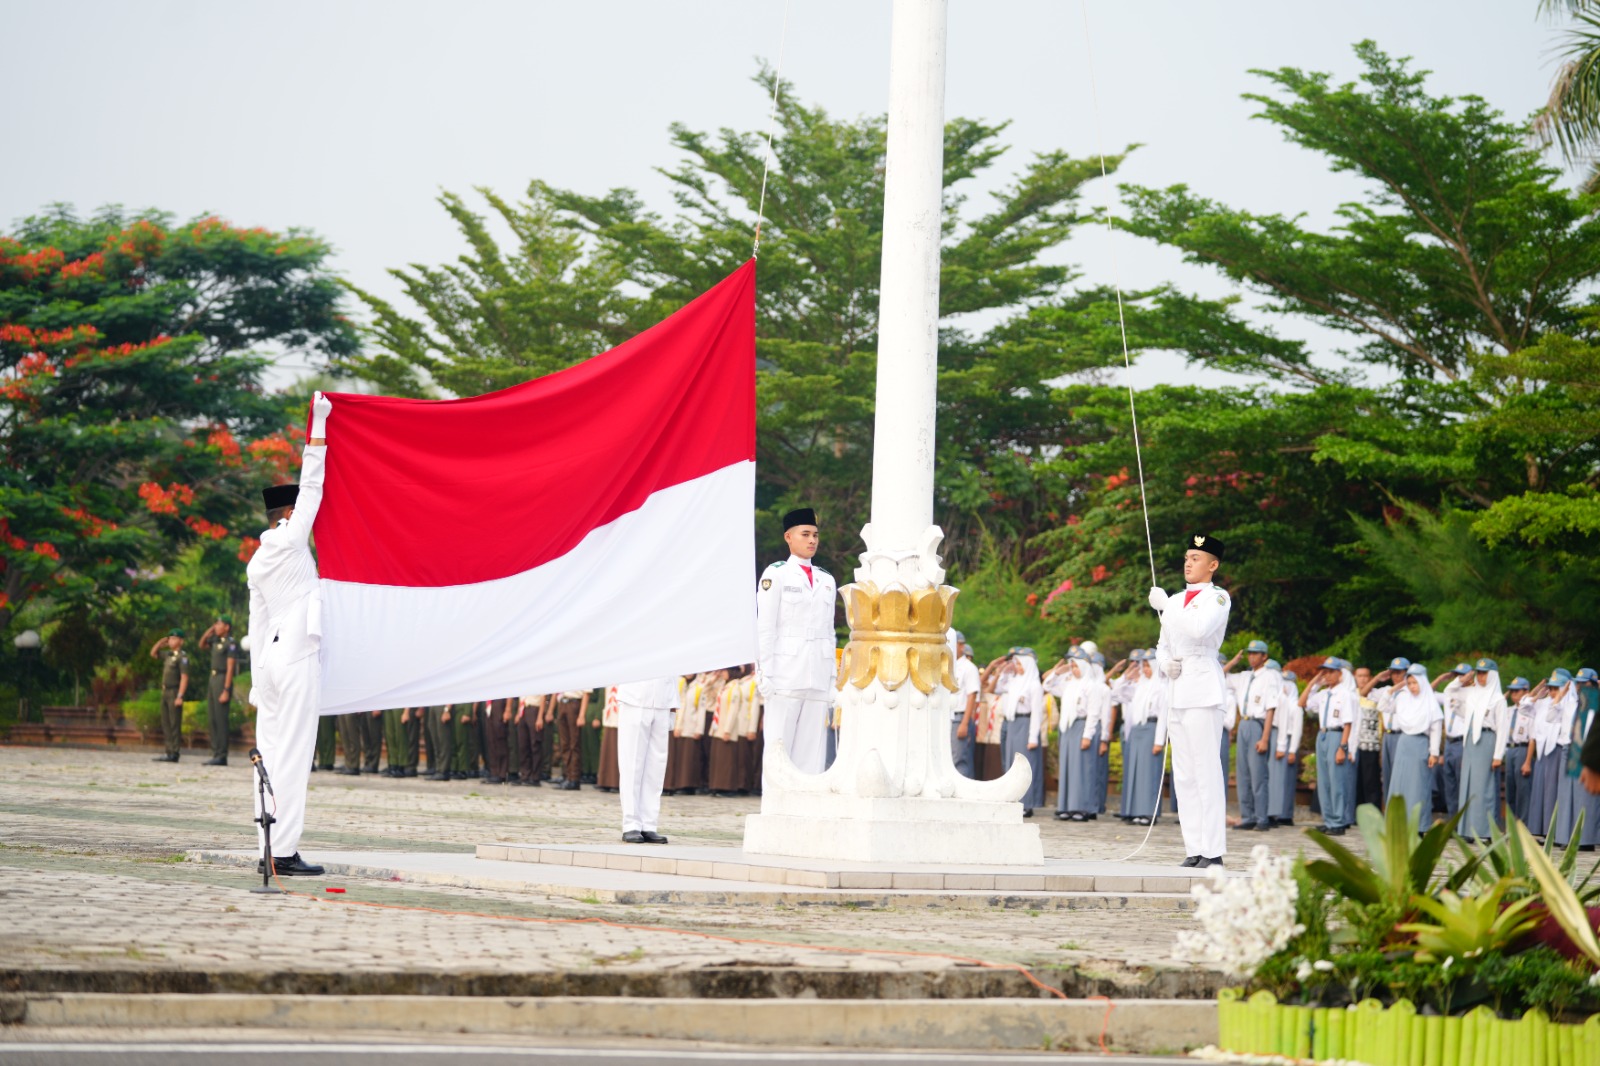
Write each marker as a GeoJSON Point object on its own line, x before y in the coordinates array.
{"type": "Point", "coordinates": [385, 1054]}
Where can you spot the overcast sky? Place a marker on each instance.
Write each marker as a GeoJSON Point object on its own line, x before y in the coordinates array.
{"type": "Point", "coordinates": [348, 117]}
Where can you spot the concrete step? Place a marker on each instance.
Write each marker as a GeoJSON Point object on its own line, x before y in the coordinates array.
{"type": "Point", "coordinates": [1122, 1026]}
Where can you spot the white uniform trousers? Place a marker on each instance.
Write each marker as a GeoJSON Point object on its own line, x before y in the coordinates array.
{"type": "Point", "coordinates": [800, 720]}
{"type": "Point", "coordinates": [1195, 734]}
{"type": "Point", "coordinates": [641, 763]}
{"type": "Point", "coordinates": [287, 697]}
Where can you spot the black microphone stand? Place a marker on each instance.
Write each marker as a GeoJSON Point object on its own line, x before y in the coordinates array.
{"type": "Point", "coordinates": [264, 820]}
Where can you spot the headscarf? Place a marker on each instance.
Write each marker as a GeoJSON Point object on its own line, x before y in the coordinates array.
{"type": "Point", "coordinates": [1422, 702]}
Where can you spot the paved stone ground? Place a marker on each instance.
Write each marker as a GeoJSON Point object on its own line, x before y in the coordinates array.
{"type": "Point", "coordinates": [92, 875]}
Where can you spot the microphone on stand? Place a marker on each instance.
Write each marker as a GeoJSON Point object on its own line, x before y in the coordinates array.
{"type": "Point", "coordinates": [261, 768]}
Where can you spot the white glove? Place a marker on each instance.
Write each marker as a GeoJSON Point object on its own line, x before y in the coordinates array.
{"type": "Point", "coordinates": [321, 408]}
{"type": "Point", "coordinates": [1173, 668]}
{"type": "Point", "coordinates": [1158, 599]}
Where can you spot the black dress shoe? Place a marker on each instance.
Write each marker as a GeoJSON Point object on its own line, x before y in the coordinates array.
{"type": "Point", "coordinates": [165, 758]}
{"type": "Point", "coordinates": [1062, 816]}
{"type": "Point", "coordinates": [215, 762]}
{"type": "Point", "coordinates": [494, 780]}
{"type": "Point", "coordinates": [1027, 812]}
{"type": "Point", "coordinates": [348, 771]}
{"type": "Point", "coordinates": [1263, 827]}
{"type": "Point", "coordinates": [570, 786]}
{"type": "Point", "coordinates": [1339, 832]}
{"type": "Point", "coordinates": [1192, 860]}
{"type": "Point", "coordinates": [1076, 816]}
{"type": "Point", "coordinates": [295, 866]}
{"type": "Point", "coordinates": [1245, 827]}
{"type": "Point", "coordinates": [1210, 862]}
{"type": "Point", "coordinates": [633, 836]}
{"type": "Point", "coordinates": [651, 837]}
{"type": "Point", "coordinates": [409, 771]}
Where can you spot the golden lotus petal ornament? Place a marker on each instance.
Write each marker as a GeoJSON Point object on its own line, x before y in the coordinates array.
{"type": "Point", "coordinates": [898, 633]}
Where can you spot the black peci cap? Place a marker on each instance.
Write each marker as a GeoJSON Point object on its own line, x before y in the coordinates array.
{"type": "Point", "coordinates": [276, 496]}
{"type": "Point", "coordinates": [1207, 543]}
{"type": "Point", "coordinates": [802, 516]}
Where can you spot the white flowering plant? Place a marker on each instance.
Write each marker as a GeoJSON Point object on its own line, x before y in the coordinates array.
{"type": "Point", "coordinates": [1244, 920]}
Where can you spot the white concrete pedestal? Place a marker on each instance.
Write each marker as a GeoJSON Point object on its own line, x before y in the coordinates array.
{"type": "Point", "coordinates": [907, 829]}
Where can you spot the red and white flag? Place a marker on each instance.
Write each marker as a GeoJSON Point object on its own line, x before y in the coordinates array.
{"type": "Point", "coordinates": [588, 528]}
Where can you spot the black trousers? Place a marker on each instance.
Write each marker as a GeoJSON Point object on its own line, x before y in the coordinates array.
{"type": "Point", "coordinates": [496, 755]}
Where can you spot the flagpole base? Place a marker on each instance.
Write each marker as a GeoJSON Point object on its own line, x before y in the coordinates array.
{"type": "Point", "coordinates": [893, 794]}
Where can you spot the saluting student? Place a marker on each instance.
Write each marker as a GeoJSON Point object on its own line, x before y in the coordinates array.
{"type": "Point", "coordinates": [796, 663]}
{"type": "Point", "coordinates": [1144, 742]}
{"type": "Point", "coordinates": [1555, 704]}
{"type": "Point", "coordinates": [1193, 626]}
{"type": "Point", "coordinates": [1335, 708]}
{"type": "Point", "coordinates": [1391, 736]}
{"type": "Point", "coordinates": [1447, 775]}
{"type": "Point", "coordinates": [1417, 722]}
{"type": "Point", "coordinates": [1572, 796]}
{"type": "Point", "coordinates": [1257, 692]}
{"type": "Point", "coordinates": [964, 723]}
{"type": "Point", "coordinates": [1518, 774]}
{"type": "Point", "coordinates": [1484, 752]}
{"type": "Point", "coordinates": [1287, 729]}
{"type": "Point", "coordinates": [1016, 683]}
{"type": "Point", "coordinates": [1079, 730]}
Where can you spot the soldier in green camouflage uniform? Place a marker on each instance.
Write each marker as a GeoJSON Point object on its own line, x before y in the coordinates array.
{"type": "Point", "coordinates": [174, 686]}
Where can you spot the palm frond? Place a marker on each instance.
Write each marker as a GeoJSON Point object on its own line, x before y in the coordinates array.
{"type": "Point", "coordinates": [1571, 116]}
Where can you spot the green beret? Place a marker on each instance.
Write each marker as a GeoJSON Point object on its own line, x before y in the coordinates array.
{"type": "Point", "coordinates": [174, 632]}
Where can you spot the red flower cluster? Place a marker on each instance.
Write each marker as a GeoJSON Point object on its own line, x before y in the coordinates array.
{"type": "Point", "coordinates": [116, 351]}
{"type": "Point", "coordinates": [35, 264]}
{"type": "Point", "coordinates": [10, 539]}
{"type": "Point", "coordinates": [1060, 590]}
{"type": "Point", "coordinates": [1099, 573]}
{"type": "Point", "coordinates": [91, 526]}
{"type": "Point", "coordinates": [212, 225]}
{"type": "Point", "coordinates": [158, 500]}
{"type": "Point", "coordinates": [223, 440]}
{"type": "Point", "coordinates": [32, 365]}
{"type": "Point", "coordinates": [1119, 479]}
{"type": "Point", "coordinates": [45, 338]}
{"type": "Point", "coordinates": [274, 450]}
{"type": "Point", "coordinates": [46, 549]}
{"type": "Point", "coordinates": [247, 548]}
{"type": "Point", "coordinates": [90, 266]}
{"type": "Point", "coordinates": [204, 528]}
{"type": "Point", "coordinates": [1213, 484]}
{"type": "Point", "coordinates": [138, 242]}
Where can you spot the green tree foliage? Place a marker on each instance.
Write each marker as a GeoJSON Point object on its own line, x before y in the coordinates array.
{"type": "Point", "coordinates": [580, 273]}
{"type": "Point", "coordinates": [1462, 272]}
{"type": "Point", "coordinates": [133, 422]}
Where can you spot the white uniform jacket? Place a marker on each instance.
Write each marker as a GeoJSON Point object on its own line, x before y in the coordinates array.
{"type": "Point", "coordinates": [794, 630]}
{"type": "Point", "coordinates": [285, 598]}
{"type": "Point", "coordinates": [1192, 634]}
{"type": "Point", "coordinates": [659, 693]}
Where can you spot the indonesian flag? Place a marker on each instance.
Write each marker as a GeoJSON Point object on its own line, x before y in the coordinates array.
{"type": "Point", "coordinates": [588, 528]}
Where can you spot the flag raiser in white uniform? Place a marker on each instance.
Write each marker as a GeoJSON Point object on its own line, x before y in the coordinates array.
{"type": "Point", "coordinates": [1193, 625]}
{"type": "Point", "coordinates": [795, 663]}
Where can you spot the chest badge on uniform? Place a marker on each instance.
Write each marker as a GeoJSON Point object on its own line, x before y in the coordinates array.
{"type": "Point", "coordinates": [1220, 601]}
{"type": "Point", "coordinates": [766, 583]}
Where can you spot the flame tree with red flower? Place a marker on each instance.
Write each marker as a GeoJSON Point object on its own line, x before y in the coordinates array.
{"type": "Point", "coordinates": [134, 424]}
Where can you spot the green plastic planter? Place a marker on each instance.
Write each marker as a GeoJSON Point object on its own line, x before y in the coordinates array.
{"type": "Point", "coordinates": [1398, 1036]}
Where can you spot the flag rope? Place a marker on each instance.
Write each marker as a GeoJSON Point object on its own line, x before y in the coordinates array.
{"type": "Point", "coordinates": [1133, 413]}
{"type": "Point", "coordinates": [772, 122]}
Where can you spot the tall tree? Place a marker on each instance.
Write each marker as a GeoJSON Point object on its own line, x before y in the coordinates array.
{"type": "Point", "coordinates": [1462, 274]}
{"type": "Point", "coordinates": [583, 272]}
{"type": "Point", "coordinates": [133, 421]}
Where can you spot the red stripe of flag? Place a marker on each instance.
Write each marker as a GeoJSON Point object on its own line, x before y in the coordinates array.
{"type": "Point", "coordinates": [429, 493]}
